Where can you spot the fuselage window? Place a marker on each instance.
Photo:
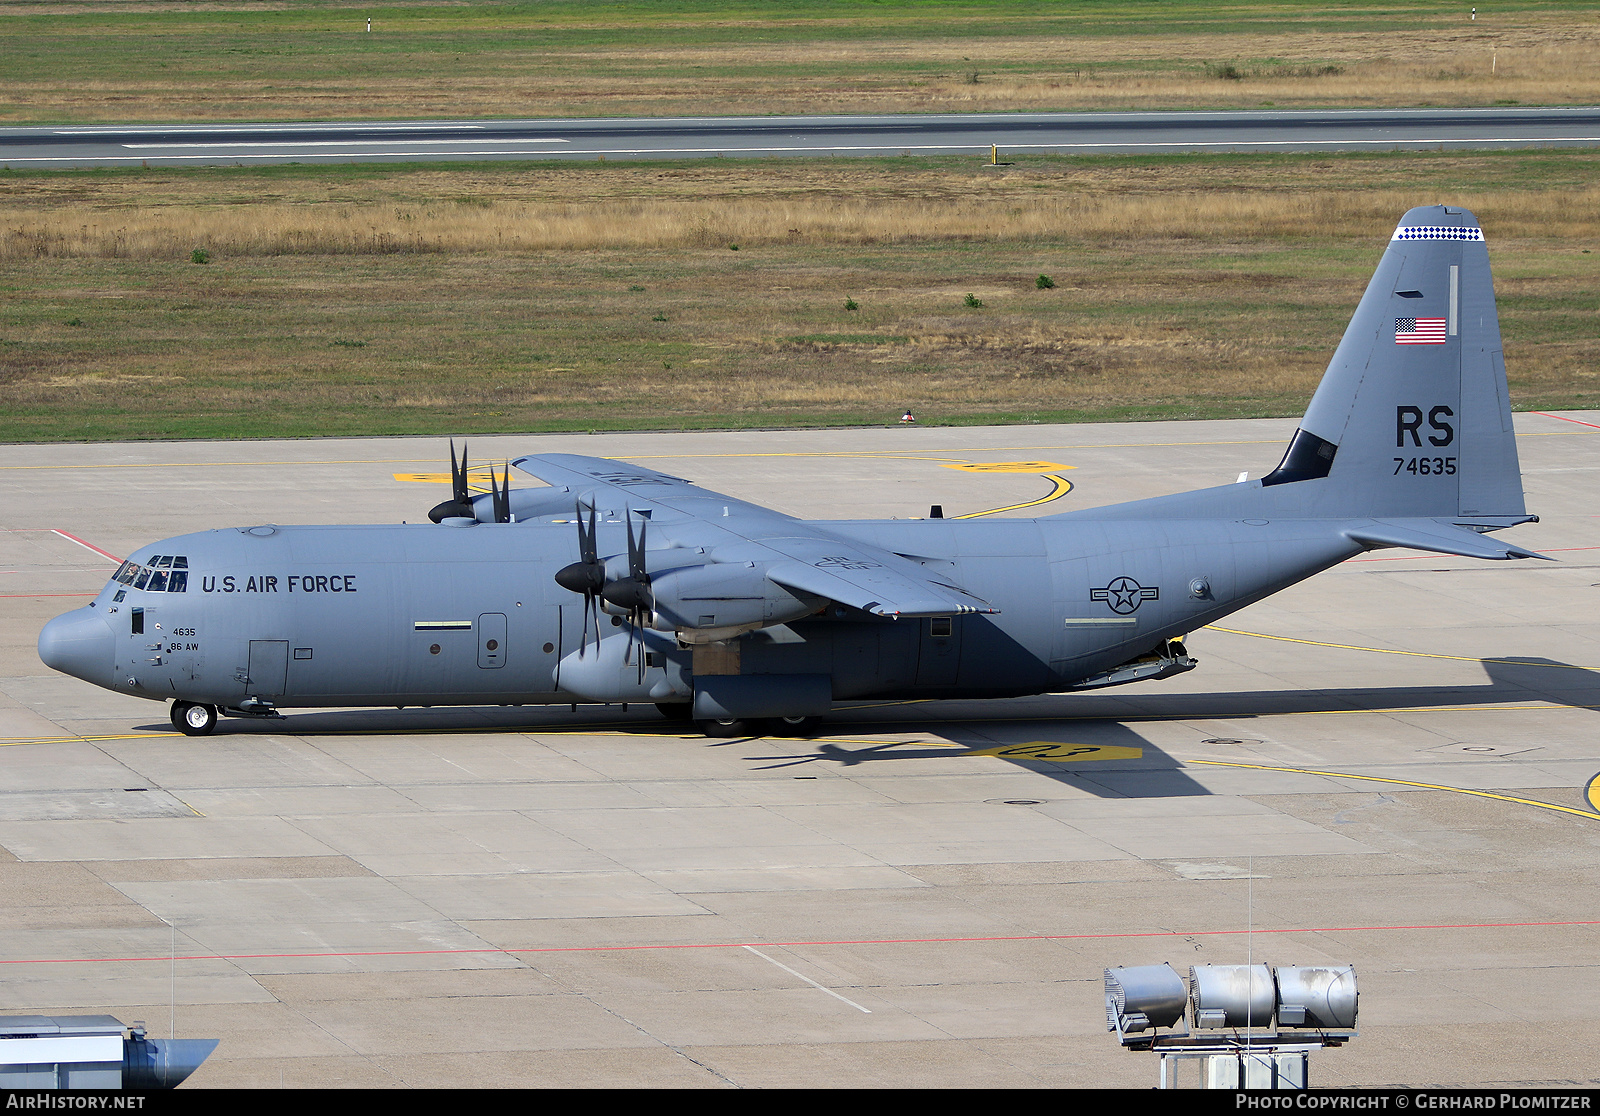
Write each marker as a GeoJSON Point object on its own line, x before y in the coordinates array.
{"type": "Point", "coordinates": [158, 581]}
{"type": "Point", "coordinates": [179, 582]}
{"type": "Point", "coordinates": [142, 580]}
{"type": "Point", "coordinates": [126, 574]}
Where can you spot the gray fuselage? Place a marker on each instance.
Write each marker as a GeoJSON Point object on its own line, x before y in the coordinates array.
{"type": "Point", "coordinates": [442, 615]}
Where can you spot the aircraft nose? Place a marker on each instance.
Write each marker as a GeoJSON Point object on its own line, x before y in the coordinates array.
{"type": "Point", "coordinates": [79, 643]}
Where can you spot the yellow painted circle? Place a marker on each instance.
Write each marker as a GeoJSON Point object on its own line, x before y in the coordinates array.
{"type": "Point", "coordinates": [1057, 751]}
{"type": "Point", "coordinates": [1592, 793]}
{"type": "Point", "coordinates": [1011, 467]}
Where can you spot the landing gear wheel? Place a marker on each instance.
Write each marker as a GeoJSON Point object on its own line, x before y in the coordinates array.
{"type": "Point", "coordinates": [727, 728]}
{"type": "Point", "coordinates": [676, 710]}
{"type": "Point", "coordinates": [193, 719]}
{"type": "Point", "coordinates": [795, 726]}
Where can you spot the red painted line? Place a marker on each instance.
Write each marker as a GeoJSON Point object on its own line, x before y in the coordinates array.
{"type": "Point", "coordinates": [1564, 418]}
{"type": "Point", "coordinates": [801, 945]}
{"type": "Point", "coordinates": [86, 545]}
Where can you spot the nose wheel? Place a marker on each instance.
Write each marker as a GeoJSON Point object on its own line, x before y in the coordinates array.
{"type": "Point", "coordinates": [193, 719]}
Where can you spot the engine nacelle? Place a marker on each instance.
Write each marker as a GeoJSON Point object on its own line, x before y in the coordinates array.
{"type": "Point", "coordinates": [611, 670]}
{"type": "Point", "coordinates": [725, 595]}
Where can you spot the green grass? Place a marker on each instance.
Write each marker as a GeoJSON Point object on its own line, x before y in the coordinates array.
{"type": "Point", "coordinates": [1225, 320]}
{"type": "Point", "coordinates": [105, 61]}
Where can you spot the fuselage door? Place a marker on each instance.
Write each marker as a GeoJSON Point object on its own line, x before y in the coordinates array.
{"type": "Point", "coordinates": [939, 654]}
{"type": "Point", "coordinates": [269, 667]}
{"type": "Point", "coordinates": [492, 640]}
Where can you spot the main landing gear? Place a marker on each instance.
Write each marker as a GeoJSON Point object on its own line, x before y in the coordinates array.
{"type": "Point", "coordinates": [681, 711]}
{"type": "Point", "coordinates": [761, 726]}
{"type": "Point", "coordinates": [193, 719]}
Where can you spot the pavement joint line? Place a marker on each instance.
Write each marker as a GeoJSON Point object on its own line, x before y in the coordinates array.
{"type": "Point", "coordinates": [1101, 936]}
{"type": "Point", "coordinates": [1391, 651]}
{"type": "Point", "coordinates": [1402, 783]}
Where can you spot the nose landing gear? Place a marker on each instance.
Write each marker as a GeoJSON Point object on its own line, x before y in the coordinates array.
{"type": "Point", "coordinates": [193, 719]}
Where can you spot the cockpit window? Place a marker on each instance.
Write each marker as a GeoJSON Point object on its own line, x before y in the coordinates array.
{"type": "Point", "coordinates": [166, 573]}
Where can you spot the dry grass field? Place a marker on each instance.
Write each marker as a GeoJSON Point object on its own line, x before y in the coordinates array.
{"type": "Point", "coordinates": [127, 60]}
{"type": "Point", "coordinates": [383, 299]}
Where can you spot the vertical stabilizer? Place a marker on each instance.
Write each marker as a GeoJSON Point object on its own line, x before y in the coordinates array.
{"type": "Point", "coordinates": [1412, 418]}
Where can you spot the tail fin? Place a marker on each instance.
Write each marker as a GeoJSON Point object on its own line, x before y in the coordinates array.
{"type": "Point", "coordinates": [1412, 417]}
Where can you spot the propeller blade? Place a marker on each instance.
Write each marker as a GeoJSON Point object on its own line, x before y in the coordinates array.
{"type": "Point", "coordinates": [460, 502]}
{"type": "Point", "coordinates": [587, 549]}
{"type": "Point", "coordinates": [458, 476]}
{"type": "Point", "coordinates": [636, 568]}
{"type": "Point", "coordinates": [502, 495]}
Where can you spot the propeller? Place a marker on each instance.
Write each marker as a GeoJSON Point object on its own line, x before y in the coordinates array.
{"type": "Point", "coordinates": [586, 576]}
{"type": "Point", "coordinates": [460, 502]}
{"type": "Point", "coordinates": [633, 592]}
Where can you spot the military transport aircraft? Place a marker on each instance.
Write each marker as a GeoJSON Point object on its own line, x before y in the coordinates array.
{"type": "Point", "coordinates": [617, 583]}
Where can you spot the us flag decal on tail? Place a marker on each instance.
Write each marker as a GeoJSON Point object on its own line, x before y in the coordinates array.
{"type": "Point", "coordinates": [1419, 331]}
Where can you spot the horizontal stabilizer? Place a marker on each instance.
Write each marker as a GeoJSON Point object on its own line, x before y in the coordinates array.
{"type": "Point", "coordinates": [1432, 535]}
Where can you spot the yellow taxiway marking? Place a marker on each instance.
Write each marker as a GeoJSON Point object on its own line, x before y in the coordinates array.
{"type": "Point", "coordinates": [1391, 651]}
{"type": "Point", "coordinates": [1062, 486]}
{"type": "Point", "coordinates": [893, 454]}
{"type": "Point", "coordinates": [89, 739]}
{"type": "Point", "coordinates": [1058, 752]}
{"type": "Point", "coordinates": [478, 473]}
{"type": "Point", "coordinates": [1010, 467]}
{"type": "Point", "coordinates": [1592, 793]}
{"type": "Point", "coordinates": [1593, 813]}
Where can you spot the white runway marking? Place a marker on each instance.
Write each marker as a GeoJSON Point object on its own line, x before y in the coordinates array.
{"type": "Point", "coordinates": [808, 980]}
{"type": "Point", "coordinates": [87, 546]}
{"type": "Point", "coordinates": [336, 143]}
{"type": "Point", "coordinates": [268, 129]}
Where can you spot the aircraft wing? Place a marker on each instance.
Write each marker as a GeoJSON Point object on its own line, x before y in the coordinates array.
{"type": "Point", "coordinates": [636, 485]}
{"type": "Point", "coordinates": [868, 578]}
{"type": "Point", "coordinates": [791, 553]}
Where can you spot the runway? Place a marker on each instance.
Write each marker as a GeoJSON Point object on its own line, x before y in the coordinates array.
{"type": "Point", "coordinates": [1387, 766]}
{"type": "Point", "coordinates": [690, 138]}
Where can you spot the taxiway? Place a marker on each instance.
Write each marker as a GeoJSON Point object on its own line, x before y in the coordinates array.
{"type": "Point", "coordinates": [1387, 766]}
